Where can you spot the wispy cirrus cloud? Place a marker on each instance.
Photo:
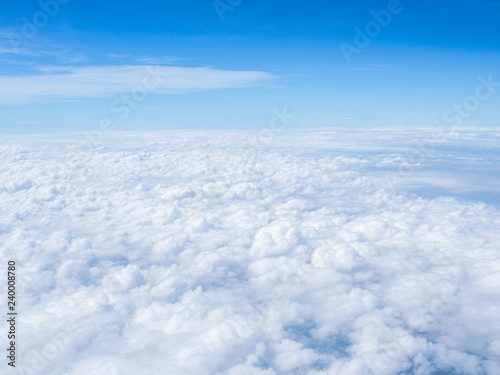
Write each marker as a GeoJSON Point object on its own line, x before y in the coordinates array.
{"type": "Point", "coordinates": [59, 83]}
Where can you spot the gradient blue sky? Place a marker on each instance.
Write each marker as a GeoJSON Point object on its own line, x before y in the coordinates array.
{"type": "Point", "coordinates": [262, 55]}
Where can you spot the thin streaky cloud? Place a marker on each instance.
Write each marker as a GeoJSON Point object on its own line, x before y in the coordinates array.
{"type": "Point", "coordinates": [55, 83]}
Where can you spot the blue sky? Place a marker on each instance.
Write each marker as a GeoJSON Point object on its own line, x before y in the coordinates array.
{"type": "Point", "coordinates": [65, 65]}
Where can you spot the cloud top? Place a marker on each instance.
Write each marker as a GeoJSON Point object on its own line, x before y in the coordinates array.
{"type": "Point", "coordinates": [187, 252]}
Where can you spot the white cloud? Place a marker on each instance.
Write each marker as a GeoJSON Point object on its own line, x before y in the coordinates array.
{"type": "Point", "coordinates": [176, 252]}
{"type": "Point", "coordinates": [67, 82]}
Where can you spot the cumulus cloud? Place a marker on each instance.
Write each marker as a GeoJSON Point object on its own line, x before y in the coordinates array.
{"type": "Point", "coordinates": [192, 253]}
{"type": "Point", "coordinates": [68, 82]}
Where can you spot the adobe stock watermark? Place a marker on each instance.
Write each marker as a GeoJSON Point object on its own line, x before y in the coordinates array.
{"type": "Point", "coordinates": [123, 106]}
{"type": "Point", "coordinates": [256, 144]}
{"type": "Point", "coordinates": [31, 26]}
{"type": "Point", "coordinates": [224, 6]}
{"type": "Point", "coordinates": [395, 351]}
{"type": "Point", "coordinates": [44, 358]}
{"type": "Point", "coordinates": [241, 328]}
{"type": "Point", "coordinates": [460, 111]}
{"type": "Point", "coordinates": [38, 360]}
{"type": "Point", "coordinates": [454, 116]}
{"type": "Point", "coordinates": [278, 123]}
{"type": "Point", "coordinates": [363, 36]}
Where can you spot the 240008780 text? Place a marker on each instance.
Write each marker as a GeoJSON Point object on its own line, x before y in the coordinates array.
{"type": "Point", "coordinates": [11, 314]}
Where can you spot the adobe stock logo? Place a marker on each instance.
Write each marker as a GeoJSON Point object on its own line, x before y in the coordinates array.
{"type": "Point", "coordinates": [124, 105]}
{"type": "Point", "coordinates": [372, 29]}
{"type": "Point", "coordinates": [32, 25]}
{"type": "Point", "coordinates": [222, 7]}
{"type": "Point", "coordinates": [471, 103]}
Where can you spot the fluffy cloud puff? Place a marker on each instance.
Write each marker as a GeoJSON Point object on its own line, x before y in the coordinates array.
{"type": "Point", "coordinates": [198, 253]}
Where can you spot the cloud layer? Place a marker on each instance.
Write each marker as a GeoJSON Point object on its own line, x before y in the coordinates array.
{"type": "Point", "coordinates": [63, 83]}
{"type": "Point", "coordinates": [198, 253]}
